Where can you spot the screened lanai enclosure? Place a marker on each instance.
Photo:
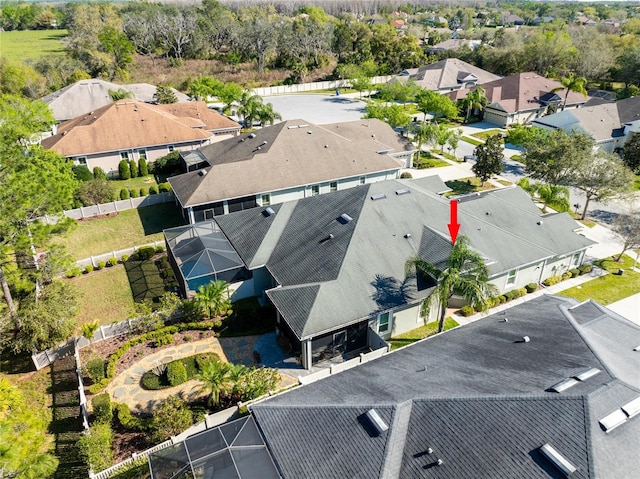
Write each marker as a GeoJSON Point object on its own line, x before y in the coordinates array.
{"type": "Point", "coordinates": [234, 450]}
{"type": "Point", "coordinates": [200, 253]}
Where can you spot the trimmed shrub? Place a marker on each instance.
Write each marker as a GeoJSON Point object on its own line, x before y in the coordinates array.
{"type": "Point", "coordinates": [584, 269]}
{"type": "Point", "coordinates": [128, 421]}
{"type": "Point", "coordinates": [153, 190]}
{"type": "Point", "coordinates": [82, 173]}
{"type": "Point", "coordinates": [99, 386]}
{"type": "Point", "coordinates": [575, 272]}
{"type": "Point", "coordinates": [133, 193]}
{"type": "Point", "coordinates": [522, 291]}
{"type": "Point", "coordinates": [73, 272]}
{"type": "Point", "coordinates": [406, 174]}
{"type": "Point", "coordinates": [152, 381]}
{"type": "Point", "coordinates": [95, 369]}
{"type": "Point", "coordinates": [144, 192]}
{"type": "Point", "coordinates": [125, 258]}
{"type": "Point", "coordinates": [133, 168]}
{"type": "Point", "coordinates": [99, 174]}
{"type": "Point", "coordinates": [551, 280]}
{"type": "Point", "coordinates": [112, 261]}
{"type": "Point", "coordinates": [162, 187]}
{"type": "Point", "coordinates": [467, 310]}
{"type": "Point", "coordinates": [88, 268]}
{"type": "Point", "coordinates": [531, 287]}
{"type": "Point", "coordinates": [513, 294]}
{"type": "Point", "coordinates": [144, 253]}
{"type": "Point", "coordinates": [101, 265]}
{"type": "Point", "coordinates": [502, 298]}
{"type": "Point", "coordinates": [566, 275]}
{"type": "Point", "coordinates": [163, 340]}
{"type": "Point", "coordinates": [167, 164]}
{"type": "Point", "coordinates": [143, 169]}
{"type": "Point", "coordinates": [124, 194]}
{"type": "Point", "coordinates": [176, 372]}
{"type": "Point", "coordinates": [481, 307]}
{"type": "Point", "coordinates": [95, 447]}
{"type": "Point", "coordinates": [101, 405]}
{"type": "Point", "coordinates": [159, 249]}
{"type": "Point", "coordinates": [123, 170]}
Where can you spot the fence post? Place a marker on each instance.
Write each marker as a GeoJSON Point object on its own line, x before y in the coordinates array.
{"type": "Point", "coordinates": [102, 332]}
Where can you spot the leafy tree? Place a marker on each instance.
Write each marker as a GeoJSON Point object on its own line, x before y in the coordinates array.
{"type": "Point", "coordinates": [120, 94]}
{"type": "Point", "coordinates": [228, 94]}
{"type": "Point", "coordinates": [124, 172]}
{"type": "Point", "coordinates": [257, 36]}
{"type": "Point", "coordinates": [267, 115]}
{"type": "Point", "coordinates": [99, 174]}
{"type": "Point", "coordinates": [454, 139]}
{"type": "Point", "coordinates": [627, 227]}
{"type": "Point", "coordinates": [553, 158]}
{"type": "Point", "coordinates": [436, 104]}
{"type": "Point", "coordinates": [557, 197]}
{"type": "Point", "coordinates": [361, 83]}
{"type": "Point", "coordinates": [600, 177]}
{"type": "Point", "coordinates": [203, 87]}
{"type": "Point", "coordinates": [465, 273]}
{"type": "Point", "coordinates": [474, 100]}
{"type": "Point", "coordinates": [82, 173]}
{"type": "Point", "coordinates": [489, 158]}
{"type": "Point", "coordinates": [89, 329]}
{"type": "Point", "coordinates": [399, 91]}
{"type": "Point", "coordinates": [24, 443]}
{"type": "Point", "coordinates": [119, 49]}
{"type": "Point", "coordinates": [164, 95]}
{"type": "Point", "coordinates": [394, 115]}
{"type": "Point", "coordinates": [627, 67]}
{"type": "Point", "coordinates": [20, 79]}
{"type": "Point", "coordinates": [422, 133]}
{"type": "Point", "coordinates": [572, 83]}
{"type": "Point", "coordinates": [171, 417]}
{"type": "Point", "coordinates": [442, 136]}
{"type": "Point", "coordinates": [95, 192]}
{"type": "Point", "coordinates": [213, 300]}
{"type": "Point", "coordinates": [632, 153]}
{"type": "Point", "coordinates": [215, 376]}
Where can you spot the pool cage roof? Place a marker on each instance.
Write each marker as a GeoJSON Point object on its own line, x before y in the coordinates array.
{"type": "Point", "coordinates": [234, 450]}
{"type": "Point", "coordinates": [202, 250]}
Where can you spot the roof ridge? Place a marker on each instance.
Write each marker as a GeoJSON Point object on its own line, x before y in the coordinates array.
{"type": "Point", "coordinates": [396, 440]}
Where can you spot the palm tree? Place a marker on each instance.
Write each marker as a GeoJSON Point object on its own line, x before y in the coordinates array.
{"type": "Point", "coordinates": [465, 273]}
{"type": "Point", "coordinates": [215, 375]}
{"type": "Point", "coordinates": [572, 83]}
{"type": "Point", "coordinates": [555, 196]}
{"type": "Point", "coordinates": [212, 299]}
{"type": "Point", "coordinates": [475, 100]}
{"type": "Point", "coordinates": [249, 107]}
{"type": "Point", "coordinates": [266, 114]}
{"type": "Point", "coordinates": [422, 133]}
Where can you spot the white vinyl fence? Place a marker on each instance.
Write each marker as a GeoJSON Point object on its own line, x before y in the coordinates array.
{"type": "Point", "coordinates": [322, 85]}
{"type": "Point", "coordinates": [94, 260]}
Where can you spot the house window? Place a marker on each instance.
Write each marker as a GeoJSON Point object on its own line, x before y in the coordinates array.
{"type": "Point", "coordinates": [511, 277]}
{"type": "Point", "coordinates": [315, 190]}
{"type": "Point", "coordinates": [81, 160]}
{"type": "Point", "coordinates": [266, 200]}
{"type": "Point", "coordinates": [363, 179]}
{"type": "Point", "coordinates": [383, 323]}
{"type": "Point", "coordinates": [575, 260]}
{"type": "Point", "coordinates": [124, 155]}
{"type": "Point", "coordinates": [142, 154]}
{"type": "Point", "coordinates": [170, 148]}
{"type": "Point", "coordinates": [333, 186]}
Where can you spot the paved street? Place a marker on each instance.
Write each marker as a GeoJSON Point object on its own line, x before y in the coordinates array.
{"type": "Point", "coordinates": [321, 108]}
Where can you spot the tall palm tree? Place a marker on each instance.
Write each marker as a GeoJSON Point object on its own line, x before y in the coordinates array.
{"type": "Point", "coordinates": [465, 273]}
{"type": "Point", "coordinates": [250, 105]}
{"type": "Point", "coordinates": [215, 375]}
{"type": "Point", "coordinates": [212, 299]}
{"type": "Point", "coordinates": [572, 83]}
{"type": "Point", "coordinates": [422, 133]}
{"type": "Point", "coordinates": [475, 100]}
{"type": "Point", "coordinates": [266, 114]}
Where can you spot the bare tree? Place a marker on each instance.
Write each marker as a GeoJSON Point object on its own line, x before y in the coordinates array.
{"type": "Point", "coordinates": [175, 30]}
{"type": "Point", "coordinates": [627, 227]}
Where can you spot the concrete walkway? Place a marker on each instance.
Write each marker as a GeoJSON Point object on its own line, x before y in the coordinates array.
{"type": "Point", "coordinates": [126, 388]}
{"type": "Point", "coordinates": [628, 308]}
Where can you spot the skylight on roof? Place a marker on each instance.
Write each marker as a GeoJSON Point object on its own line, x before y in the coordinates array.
{"type": "Point", "coordinates": [632, 408]}
{"type": "Point", "coordinates": [613, 420]}
{"type": "Point", "coordinates": [268, 212]}
{"type": "Point", "coordinates": [376, 421]}
{"type": "Point", "coordinates": [563, 385]}
{"type": "Point", "coordinates": [558, 460]}
{"type": "Point", "coordinates": [378, 196]}
{"type": "Point", "coordinates": [344, 218]}
{"type": "Point", "coordinates": [403, 191]}
{"type": "Point", "coordinates": [589, 373]}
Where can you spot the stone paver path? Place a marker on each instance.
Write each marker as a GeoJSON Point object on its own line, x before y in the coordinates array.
{"type": "Point", "coordinates": [126, 388]}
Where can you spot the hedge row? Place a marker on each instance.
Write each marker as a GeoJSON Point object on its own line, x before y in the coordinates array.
{"type": "Point", "coordinates": [143, 253]}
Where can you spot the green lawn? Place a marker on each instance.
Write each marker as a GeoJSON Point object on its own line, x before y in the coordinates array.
{"type": "Point", "coordinates": [466, 185]}
{"type": "Point", "coordinates": [106, 296]}
{"type": "Point", "coordinates": [609, 288]}
{"type": "Point", "coordinates": [483, 135]}
{"type": "Point", "coordinates": [505, 182]}
{"type": "Point", "coordinates": [636, 183]}
{"type": "Point", "coordinates": [129, 228]}
{"type": "Point", "coordinates": [473, 141]}
{"type": "Point", "coordinates": [31, 44]}
{"type": "Point", "coordinates": [422, 332]}
{"type": "Point", "coordinates": [144, 278]}
{"type": "Point", "coordinates": [428, 161]}
{"type": "Point", "coordinates": [133, 184]}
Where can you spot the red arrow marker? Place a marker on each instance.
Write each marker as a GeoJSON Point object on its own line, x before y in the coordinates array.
{"type": "Point", "coordinates": [454, 227]}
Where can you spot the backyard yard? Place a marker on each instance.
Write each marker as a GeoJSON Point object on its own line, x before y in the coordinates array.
{"type": "Point", "coordinates": [127, 229]}
{"type": "Point", "coordinates": [32, 44]}
{"type": "Point", "coordinates": [464, 186]}
{"type": "Point", "coordinates": [422, 332]}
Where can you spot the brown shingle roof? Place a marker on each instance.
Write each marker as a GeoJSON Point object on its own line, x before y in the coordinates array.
{"type": "Point", "coordinates": [445, 74]}
{"type": "Point", "coordinates": [291, 153]}
{"type": "Point", "coordinates": [119, 126]}
{"type": "Point", "coordinates": [210, 119]}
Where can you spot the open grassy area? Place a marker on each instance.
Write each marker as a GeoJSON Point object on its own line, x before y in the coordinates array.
{"type": "Point", "coordinates": [611, 287]}
{"type": "Point", "coordinates": [144, 278]}
{"type": "Point", "coordinates": [636, 183]}
{"type": "Point", "coordinates": [428, 161]}
{"type": "Point", "coordinates": [473, 141]}
{"type": "Point", "coordinates": [464, 186]}
{"type": "Point", "coordinates": [483, 135]}
{"type": "Point", "coordinates": [21, 45]}
{"type": "Point", "coordinates": [129, 228]}
{"type": "Point", "coordinates": [133, 184]}
{"type": "Point", "coordinates": [106, 296]}
{"type": "Point", "coordinates": [505, 182]}
{"type": "Point", "coordinates": [422, 332]}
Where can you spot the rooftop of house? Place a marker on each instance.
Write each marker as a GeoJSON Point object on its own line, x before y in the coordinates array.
{"type": "Point", "coordinates": [449, 73]}
{"type": "Point", "coordinates": [84, 96]}
{"type": "Point", "coordinates": [289, 154]}
{"type": "Point", "coordinates": [209, 119]}
{"type": "Point", "coordinates": [325, 250]}
{"type": "Point", "coordinates": [123, 125]}
{"type": "Point", "coordinates": [479, 399]}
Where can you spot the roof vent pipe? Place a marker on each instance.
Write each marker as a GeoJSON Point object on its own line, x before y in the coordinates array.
{"type": "Point", "coordinates": [376, 421]}
{"type": "Point", "coordinates": [526, 339]}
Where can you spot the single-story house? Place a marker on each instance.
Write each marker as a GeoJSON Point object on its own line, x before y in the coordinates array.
{"type": "Point", "coordinates": [523, 97]}
{"type": "Point", "coordinates": [449, 75]}
{"type": "Point", "coordinates": [84, 96]}
{"type": "Point", "coordinates": [131, 130]}
{"type": "Point", "coordinates": [334, 265]}
{"type": "Point", "coordinates": [476, 402]}
{"type": "Point", "coordinates": [610, 124]}
{"type": "Point", "coordinates": [452, 44]}
{"type": "Point", "coordinates": [290, 160]}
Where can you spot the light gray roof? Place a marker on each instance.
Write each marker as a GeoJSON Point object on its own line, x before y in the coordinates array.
{"type": "Point", "coordinates": [84, 96]}
{"type": "Point", "coordinates": [478, 396]}
{"type": "Point", "coordinates": [291, 154]}
{"type": "Point", "coordinates": [333, 274]}
{"type": "Point", "coordinates": [601, 121]}
{"type": "Point", "coordinates": [445, 74]}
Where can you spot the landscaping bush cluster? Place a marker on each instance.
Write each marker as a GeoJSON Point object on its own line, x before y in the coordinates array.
{"type": "Point", "coordinates": [102, 411]}
{"type": "Point", "coordinates": [160, 379]}
{"type": "Point", "coordinates": [144, 253]}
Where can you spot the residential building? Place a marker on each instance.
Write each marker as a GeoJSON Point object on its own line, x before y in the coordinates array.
{"type": "Point", "coordinates": [84, 96]}
{"type": "Point", "coordinates": [610, 124]}
{"type": "Point", "coordinates": [293, 159]}
{"type": "Point", "coordinates": [131, 130]}
{"type": "Point", "coordinates": [453, 44]}
{"type": "Point", "coordinates": [544, 390]}
{"type": "Point", "coordinates": [333, 265]}
{"type": "Point", "coordinates": [522, 98]}
{"type": "Point", "coordinates": [449, 75]}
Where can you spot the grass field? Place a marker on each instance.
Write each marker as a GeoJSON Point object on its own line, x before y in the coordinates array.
{"type": "Point", "coordinates": [471, 140]}
{"type": "Point", "coordinates": [609, 288]}
{"type": "Point", "coordinates": [422, 332]}
{"type": "Point", "coordinates": [129, 228]}
{"type": "Point", "coordinates": [144, 278]}
{"type": "Point", "coordinates": [133, 184]}
{"type": "Point", "coordinates": [483, 135]}
{"type": "Point", "coordinates": [106, 296]}
{"type": "Point", "coordinates": [31, 44]}
{"type": "Point", "coordinates": [466, 185]}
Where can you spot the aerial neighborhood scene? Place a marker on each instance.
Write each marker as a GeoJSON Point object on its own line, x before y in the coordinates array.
{"type": "Point", "coordinates": [319, 239]}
